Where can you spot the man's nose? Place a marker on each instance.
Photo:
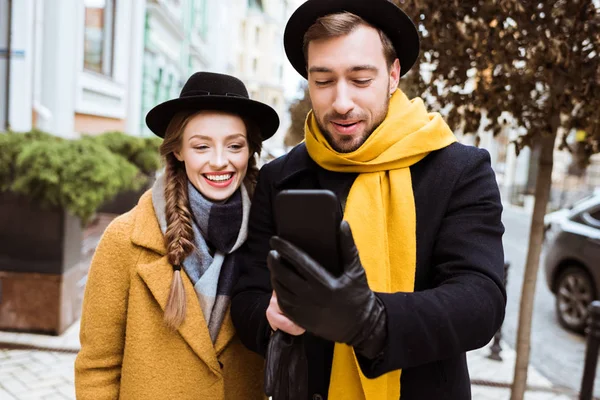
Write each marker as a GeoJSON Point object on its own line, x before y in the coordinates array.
{"type": "Point", "coordinates": [343, 103]}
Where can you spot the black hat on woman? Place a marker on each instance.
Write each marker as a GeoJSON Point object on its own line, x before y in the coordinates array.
{"type": "Point", "coordinates": [212, 91]}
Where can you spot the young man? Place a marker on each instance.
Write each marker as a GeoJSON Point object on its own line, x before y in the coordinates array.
{"type": "Point", "coordinates": [423, 263]}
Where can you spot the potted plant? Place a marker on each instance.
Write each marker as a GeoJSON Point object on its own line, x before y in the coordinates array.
{"type": "Point", "coordinates": [49, 188]}
{"type": "Point", "coordinates": [143, 152]}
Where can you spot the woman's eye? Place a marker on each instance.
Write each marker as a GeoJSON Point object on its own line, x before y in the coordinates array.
{"type": "Point", "coordinates": [236, 146]}
{"type": "Point", "coordinates": [201, 147]}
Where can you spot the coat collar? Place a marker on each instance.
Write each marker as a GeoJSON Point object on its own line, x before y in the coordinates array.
{"type": "Point", "coordinates": [157, 274]}
{"type": "Point", "coordinates": [146, 231]}
{"type": "Point", "coordinates": [295, 164]}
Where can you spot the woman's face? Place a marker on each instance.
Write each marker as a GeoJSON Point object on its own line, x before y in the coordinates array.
{"type": "Point", "coordinates": [214, 149]}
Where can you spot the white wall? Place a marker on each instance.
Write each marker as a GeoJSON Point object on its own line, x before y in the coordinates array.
{"type": "Point", "coordinates": [3, 69]}
{"type": "Point", "coordinates": [58, 72]}
{"type": "Point", "coordinates": [21, 65]}
{"type": "Point", "coordinates": [223, 35]}
{"type": "Point", "coordinates": [136, 59]}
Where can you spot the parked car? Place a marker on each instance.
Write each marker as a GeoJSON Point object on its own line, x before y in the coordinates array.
{"type": "Point", "coordinates": [572, 261]}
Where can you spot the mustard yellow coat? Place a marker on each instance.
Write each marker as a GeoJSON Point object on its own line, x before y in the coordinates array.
{"type": "Point", "coordinates": [127, 351]}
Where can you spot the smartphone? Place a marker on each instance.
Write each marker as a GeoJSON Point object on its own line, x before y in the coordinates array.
{"type": "Point", "coordinates": [310, 219]}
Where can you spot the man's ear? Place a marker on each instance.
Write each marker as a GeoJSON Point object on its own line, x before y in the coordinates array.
{"type": "Point", "coordinates": [394, 76]}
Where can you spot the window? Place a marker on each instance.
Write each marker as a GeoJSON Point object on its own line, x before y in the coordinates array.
{"type": "Point", "coordinates": [241, 64]}
{"type": "Point", "coordinates": [254, 65]}
{"type": "Point", "coordinates": [243, 31]}
{"type": "Point", "coordinates": [99, 36]}
{"type": "Point", "coordinates": [257, 36]}
{"type": "Point", "coordinates": [278, 71]}
{"type": "Point", "coordinates": [200, 17]}
{"type": "Point", "coordinates": [157, 86]}
{"type": "Point", "coordinates": [255, 4]}
{"type": "Point", "coordinates": [592, 217]}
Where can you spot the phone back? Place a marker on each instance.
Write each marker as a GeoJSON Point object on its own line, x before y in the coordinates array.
{"type": "Point", "coordinates": [310, 219]}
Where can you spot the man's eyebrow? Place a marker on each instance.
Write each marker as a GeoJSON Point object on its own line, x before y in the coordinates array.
{"type": "Point", "coordinates": [356, 68]}
{"type": "Point", "coordinates": [366, 67]}
{"type": "Point", "coordinates": [312, 70]}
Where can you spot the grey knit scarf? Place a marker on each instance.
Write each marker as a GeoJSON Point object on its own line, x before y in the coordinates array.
{"type": "Point", "coordinates": [219, 230]}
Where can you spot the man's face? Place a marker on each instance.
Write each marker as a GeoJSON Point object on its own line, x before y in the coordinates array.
{"type": "Point", "coordinates": [350, 85]}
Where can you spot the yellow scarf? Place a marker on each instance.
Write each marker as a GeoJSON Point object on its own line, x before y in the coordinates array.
{"type": "Point", "coordinates": [381, 211]}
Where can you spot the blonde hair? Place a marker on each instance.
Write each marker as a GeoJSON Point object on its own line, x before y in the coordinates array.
{"type": "Point", "coordinates": [343, 23]}
{"type": "Point", "coordinates": [179, 236]}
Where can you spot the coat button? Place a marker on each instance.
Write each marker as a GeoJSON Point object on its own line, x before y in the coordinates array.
{"type": "Point", "coordinates": [317, 396]}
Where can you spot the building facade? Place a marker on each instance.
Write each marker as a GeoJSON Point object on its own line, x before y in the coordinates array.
{"type": "Point", "coordinates": [175, 46]}
{"type": "Point", "coordinates": [261, 60]}
{"type": "Point", "coordinates": [89, 66]}
{"type": "Point", "coordinates": [74, 65]}
{"type": "Point", "coordinates": [243, 38]}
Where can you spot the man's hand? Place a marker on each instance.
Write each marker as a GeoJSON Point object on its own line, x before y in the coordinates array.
{"type": "Point", "coordinates": [340, 309]}
{"type": "Point", "coordinates": [278, 320]}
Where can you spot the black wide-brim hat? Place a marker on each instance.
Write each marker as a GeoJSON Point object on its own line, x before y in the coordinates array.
{"type": "Point", "coordinates": [381, 14]}
{"type": "Point", "coordinates": [217, 92]}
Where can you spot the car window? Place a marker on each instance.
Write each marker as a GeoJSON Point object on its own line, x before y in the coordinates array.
{"type": "Point", "coordinates": [592, 217]}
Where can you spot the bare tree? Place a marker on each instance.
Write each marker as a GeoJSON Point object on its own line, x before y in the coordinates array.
{"type": "Point", "coordinates": [298, 111]}
{"type": "Point", "coordinates": [538, 61]}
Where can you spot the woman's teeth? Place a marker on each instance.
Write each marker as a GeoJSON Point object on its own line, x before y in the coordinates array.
{"type": "Point", "coordinates": [219, 178]}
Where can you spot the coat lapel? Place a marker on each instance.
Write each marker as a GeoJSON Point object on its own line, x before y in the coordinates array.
{"type": "Point", "coordinates": [157, 276]}
{"type": "Point", "coordinates": [194, 329]}
{"type": "Point", "coordinates": [226, 333]}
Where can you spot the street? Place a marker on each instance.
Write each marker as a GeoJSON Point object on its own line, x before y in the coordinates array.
{"type": "Point", "coordinates": [555, 352]}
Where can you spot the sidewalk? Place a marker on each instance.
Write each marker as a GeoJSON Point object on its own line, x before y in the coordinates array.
{"type": "Point", "coordinates": [46, 374]}
{"type": "Point", "coordinates": [485, 371]}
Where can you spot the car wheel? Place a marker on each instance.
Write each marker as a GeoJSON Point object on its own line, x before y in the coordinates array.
{"type": "Point", "coordinates": [574, 292]}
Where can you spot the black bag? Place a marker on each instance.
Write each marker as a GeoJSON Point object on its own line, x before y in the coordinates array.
{"type": "Point", "coordinates": [286, 367]}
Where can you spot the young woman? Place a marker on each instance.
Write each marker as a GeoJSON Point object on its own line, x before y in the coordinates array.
{"type": "Point", "coordinates": [155, 321]}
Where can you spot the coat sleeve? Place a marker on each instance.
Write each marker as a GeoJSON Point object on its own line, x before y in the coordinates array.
{"type": "Point", "coordinates": [465, 305]}
{"type": "Point", "coordinates": [102, 330]}
{"type": "Point", "coordinates": [252, 292]}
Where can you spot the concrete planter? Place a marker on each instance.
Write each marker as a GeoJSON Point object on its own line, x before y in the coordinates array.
{"type": "Point", "coordinates": [124, 201]}
{"type": "Point", "coordinates": [41, 274]}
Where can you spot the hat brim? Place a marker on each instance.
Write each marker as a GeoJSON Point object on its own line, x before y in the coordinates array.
{"type": "Point", "coordinates": [380, 13]}
{"type": "Point", "coordinates": [262, 115]}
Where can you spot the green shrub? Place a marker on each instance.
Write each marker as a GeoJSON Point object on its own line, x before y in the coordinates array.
{"type": "Point", "coordinates": [11, 145]}
{"type": "Point", "coordinates": [79, 175]}
{"type": "Point", "coordinates": [140, 151]}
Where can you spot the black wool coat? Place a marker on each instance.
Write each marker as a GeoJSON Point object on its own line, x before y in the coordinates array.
{"type": "Point", "coordinates": [459, 297]}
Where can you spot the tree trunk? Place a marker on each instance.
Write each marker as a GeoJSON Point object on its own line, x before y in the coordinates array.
{"type": "Point", "coordinates": [542, 195]}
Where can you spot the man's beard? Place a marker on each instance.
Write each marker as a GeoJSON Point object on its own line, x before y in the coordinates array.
{"type": "Point", "coordinates": [348, 144]}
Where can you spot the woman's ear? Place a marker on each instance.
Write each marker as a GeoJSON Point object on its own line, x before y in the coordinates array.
{"type": "Point", "coordinates": [177, 155]}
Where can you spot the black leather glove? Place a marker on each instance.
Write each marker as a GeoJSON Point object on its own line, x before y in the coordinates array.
{"type": "Point", "coordinates": [340, 309]}
{"type": "Point", "coordinates": [286, 367]}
